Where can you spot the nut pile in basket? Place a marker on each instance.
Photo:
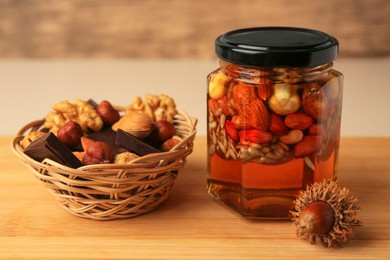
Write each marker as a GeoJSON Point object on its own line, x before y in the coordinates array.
{"type": "Point", "coordinates": [84, 133]}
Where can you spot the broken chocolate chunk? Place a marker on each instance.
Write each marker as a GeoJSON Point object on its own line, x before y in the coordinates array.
{"type": "Point", "coordinates": [108, 136]}
{"type": "Point", "coordinates": [133, 144]}
{"type": "Point", "coordinates": [49, 146]}
{"type": "Point", "coordinates": [93, 103]}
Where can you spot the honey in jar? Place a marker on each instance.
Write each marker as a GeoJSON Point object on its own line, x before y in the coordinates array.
{"type": "Point", "coordinates": [274, 113]}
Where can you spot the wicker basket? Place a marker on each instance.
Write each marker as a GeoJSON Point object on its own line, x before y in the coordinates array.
{"type": "Point", "coordinates": [113, 191]}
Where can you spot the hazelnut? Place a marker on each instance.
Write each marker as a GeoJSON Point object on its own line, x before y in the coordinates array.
{"type": "Point", "coordinates": [108, 113]}
{"type": "Point", "coordinates": [97, 153]}
{"type": "Point", "coordinates": [70, 134]}
{"type": "Point", "coordinates": [314, 102]}
{"type": "Point", "coordinates": [169, 144]}
{"type": "Point", "coordinates": [164, 130]}
{"type": "Point", "coordinates": [317, 218]}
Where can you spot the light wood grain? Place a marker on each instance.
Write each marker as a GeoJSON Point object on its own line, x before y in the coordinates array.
{"type": "Point", "coordinates": [189, 224]}
{"type": "Point", "coordinates": [178, 28]}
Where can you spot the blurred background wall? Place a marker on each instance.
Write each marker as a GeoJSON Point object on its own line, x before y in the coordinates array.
{"type": "Point", "coordinates": [178, 28]}
{"type": "Point", "coordinates": [51, 50]}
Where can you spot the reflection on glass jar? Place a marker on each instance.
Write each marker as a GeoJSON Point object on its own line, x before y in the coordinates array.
{"type": "Point", "coordinates": [272, 130]}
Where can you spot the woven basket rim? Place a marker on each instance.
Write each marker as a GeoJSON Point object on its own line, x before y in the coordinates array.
{"type": "Point", "coordinates": [177, 151]}
{"type": "Point", "coordinates": [112, 191]}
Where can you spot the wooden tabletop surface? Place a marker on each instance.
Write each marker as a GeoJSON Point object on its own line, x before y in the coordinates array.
{"type": "Point", "coordinates": [190, 224]}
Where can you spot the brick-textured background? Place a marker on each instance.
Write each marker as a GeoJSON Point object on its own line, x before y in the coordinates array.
{"type": "Point", "coordinates": [177, 28]}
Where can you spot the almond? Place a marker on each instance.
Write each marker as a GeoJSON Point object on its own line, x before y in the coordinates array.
{"type": "Point", "coordinates": [231, 131]}
{"type": "Point", "coordinates": [308, 146]}
{"type": "Point", "coordinates": [250, 107]}
{"type": "Point", "coordinates": [85, 142]}
{"type": "Point", "coordinates": [293, 137]}
{"type": "Point", "coordinates": [213, 106]}
{"type": "Point", "coordinates": [318, 129]}
{"type": "Point", "coordinates": [315, 129]}
{"type": "Point", "coordinates": [79, 155]}
{"type": "Point", "coordinates": [298, 121]}
{"type": "Point", "coordinates": [218, 106]}
{"type": "Point", "coordinates": [240, 123]}
{"type": "Point", "coordinates": [255, 136]}
{"type": "Point", "coordinates": [277, 127]}
{"type": "Point", "coordinates": [264, 88]}
{"type": "Point", "coordinates": [223, 103]}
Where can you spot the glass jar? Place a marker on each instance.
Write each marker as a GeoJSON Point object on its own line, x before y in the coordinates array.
{"type": "Point", "coordinates": [274, 110]}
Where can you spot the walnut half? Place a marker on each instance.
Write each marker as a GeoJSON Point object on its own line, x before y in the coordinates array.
{"type": "Point", "coordinates": [79, 111]}
{"type": "Point", "coordinates": [158, 107]}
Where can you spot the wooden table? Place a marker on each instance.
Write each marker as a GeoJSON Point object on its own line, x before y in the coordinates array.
{"type": "Point", "coordinates": [189, 224]}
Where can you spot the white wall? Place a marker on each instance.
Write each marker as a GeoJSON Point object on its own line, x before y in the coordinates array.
{"type": "Point", "coordinates": [30, 87]}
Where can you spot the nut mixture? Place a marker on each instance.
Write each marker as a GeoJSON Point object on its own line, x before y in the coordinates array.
{"type": "Point", "coordinates": [149, 123]}
{"type": "Point", "coordinates": [273, 116]}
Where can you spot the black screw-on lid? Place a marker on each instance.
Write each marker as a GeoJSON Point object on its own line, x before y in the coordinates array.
{"type": "Point", "coordinates": [277, 47]}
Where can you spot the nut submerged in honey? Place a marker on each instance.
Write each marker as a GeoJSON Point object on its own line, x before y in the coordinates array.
{"type": "Point", "coordinates": [274, 120]}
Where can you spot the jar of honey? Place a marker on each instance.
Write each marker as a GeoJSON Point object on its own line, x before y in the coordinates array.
{"type": "Point", "coordinates": [274, 110]}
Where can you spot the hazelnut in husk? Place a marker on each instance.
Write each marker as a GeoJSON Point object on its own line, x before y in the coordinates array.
{"type": "Point", "coordinates": [326, 214]}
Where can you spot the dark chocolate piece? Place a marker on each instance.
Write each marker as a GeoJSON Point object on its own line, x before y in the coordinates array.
{"type": "Point", "coordinates": [133, 144]}
{"type": "Point", "coordinates": [93, 103]}
{"type": "Point", "coordinates": [108, 136]}
{"type": "Point", "coordinates": [49, 146]}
